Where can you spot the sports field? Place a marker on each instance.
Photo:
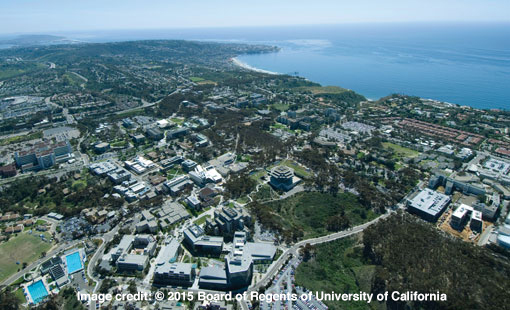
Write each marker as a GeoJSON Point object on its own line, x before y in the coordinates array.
{"type": "Point", "coordinates": [400, 151]}
{"type": "Point", "coordinates": [22, 248]}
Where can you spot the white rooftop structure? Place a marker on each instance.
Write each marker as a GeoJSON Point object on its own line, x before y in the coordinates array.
{"type": "Point", "coordinates": [102, 167]}
{"type": "Point", "coordinates": [429, 203]}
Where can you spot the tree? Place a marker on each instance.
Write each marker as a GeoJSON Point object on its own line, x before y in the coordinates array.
{"type": "Point", "coordinates": [307, 251]}
{"type": "Point", "coordinates": [8, 301]}
{"type": "Point", "coordinates": [132, 287]}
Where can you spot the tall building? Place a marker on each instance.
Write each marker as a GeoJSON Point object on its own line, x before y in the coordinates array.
{"type": "Point", "coordinates": [43, 155]}
{"type": "Point", "coordinates": [282, 177]}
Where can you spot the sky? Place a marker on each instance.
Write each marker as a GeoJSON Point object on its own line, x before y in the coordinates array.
{"type": "Point", "coordinates": [50, 16]}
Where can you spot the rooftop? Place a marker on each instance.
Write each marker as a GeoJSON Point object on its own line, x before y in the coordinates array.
{"type": "Point", "coordinates": [429, 201]}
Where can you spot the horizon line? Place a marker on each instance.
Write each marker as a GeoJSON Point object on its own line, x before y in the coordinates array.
{"type": "Point", "coordinates": [444, 22]}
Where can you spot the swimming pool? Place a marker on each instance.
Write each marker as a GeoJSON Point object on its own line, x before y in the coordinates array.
{"type": "Point", "coordinates": [37, 291]}
{"type": "Point", "coordinates": [73, 262]}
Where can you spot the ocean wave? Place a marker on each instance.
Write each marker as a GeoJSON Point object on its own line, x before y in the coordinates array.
{"type": "Point", "coordinates": [244, 65]}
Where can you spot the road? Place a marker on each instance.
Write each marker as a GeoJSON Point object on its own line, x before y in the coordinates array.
{"type": "Point", "coordinates": [99, 253]}
{"type": "Point", "coordinates": [275, 268]}
{"type": "Point", "coordinates": [145, 104]}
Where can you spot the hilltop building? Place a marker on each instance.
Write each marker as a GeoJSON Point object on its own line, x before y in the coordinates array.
{"type": "Point", "coordinates": [282, 177]}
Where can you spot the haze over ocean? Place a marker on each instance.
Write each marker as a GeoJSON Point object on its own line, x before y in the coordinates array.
{"type": "Point", "coordinates": [462, 63]}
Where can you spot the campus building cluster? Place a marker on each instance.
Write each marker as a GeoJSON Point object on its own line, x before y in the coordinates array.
{"type": "Point", "coordinates": [237, 271]}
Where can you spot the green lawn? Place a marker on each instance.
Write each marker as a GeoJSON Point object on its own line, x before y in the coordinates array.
{"type": "Point", "coordinates": [243, 200]}
{"type": "Point", "coordinates": [258, 175]}
{"type": "Point", "coordinates": [178, 121]}
{"type": "Point", "coordinates": [338, 266]}
{"type": "Point", "coordinates": [316, 90]}
{"type": "Point", "coordinates": [121, 143]}
{"type": "Point", "coordinates": [401, 151]}
{"type": "Point", "coordinates": [22, 248]}
{"type": "Point", "coordinates": [72, 79]}
{"type": "Point", "coordinates": [202, 220]}
{"type": "Point", "coordinates": [279, 126]}
{"type": "Point", "coordinates": [280, 107]}
{"type": "Point", "coordinates": [20, 295]}
{"type": "Point", "coordinates": [40, 222]}
{"type": "Point", "coordinates": [196, 79]}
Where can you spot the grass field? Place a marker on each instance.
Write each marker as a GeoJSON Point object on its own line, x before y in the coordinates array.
{"type": "Point", "coordinates": [243, 200]}
{"type": "Point", "coordinates": [178, 121]}
{"type": "Point", "coordinates": [196, 79]}
{"type": "Point", "coordinates": [11, 70]}
{"type": "Point", "coordinates": [280, 107]}
{"type": "Point", "coordinates": [316, 90]}
{"type": "Point", "coordinates": [22, 248]}
{"type": "Point", "coordinates": [310, 212]}
{"type": "Point", "coordinates": [121, 143]}
{"type": "Point", "coordinates": [338, 266]}
{"type": "Point", "coordinates": [279, 126]}
{"type": "Point", "coordinates": [400, 151]}
{"type": "Point", "coordinates": [72, 79]}
{"type": "Point", "coordinates": [21, 138]}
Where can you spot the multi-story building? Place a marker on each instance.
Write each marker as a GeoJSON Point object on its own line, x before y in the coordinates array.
{"type": "Point", "coordinates": [282, 177]}
{"type": "Point", "coordinates": [200, 243]}
{"type": "Point", "coordinates": [43, 155]}
{"type": "Point", "coordinates": [238, 270]}
{"type": "Point", "coordinates": [428, 204]}
{"type": "Point", "coordinates": [227, 220]}
{"type": "Point", "coordinates": [178, 184]}
{"type": "Point", "coordinates": [133, 252]}
{"type": "Point", "coordinates": [168, 271]}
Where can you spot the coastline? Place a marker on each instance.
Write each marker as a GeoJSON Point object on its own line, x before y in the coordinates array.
{"type": "Point", "coordinates": [246, 66]}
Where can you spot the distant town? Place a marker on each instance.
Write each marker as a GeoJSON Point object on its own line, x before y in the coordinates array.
{"type": "Point", "coordinates": [164, 166]}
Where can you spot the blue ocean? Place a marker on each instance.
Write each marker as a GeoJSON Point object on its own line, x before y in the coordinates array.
{"type": "Point", "coordinates": [462, 64]}
{"type": "Point", "coordinates": [465, 64]}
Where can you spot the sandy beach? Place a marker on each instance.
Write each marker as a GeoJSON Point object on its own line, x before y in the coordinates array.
{"type": "Point", "coordinates": [246, 66]}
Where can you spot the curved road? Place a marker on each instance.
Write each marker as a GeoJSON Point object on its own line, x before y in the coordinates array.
{"type": "Point", "coordinates": [294, 251]}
